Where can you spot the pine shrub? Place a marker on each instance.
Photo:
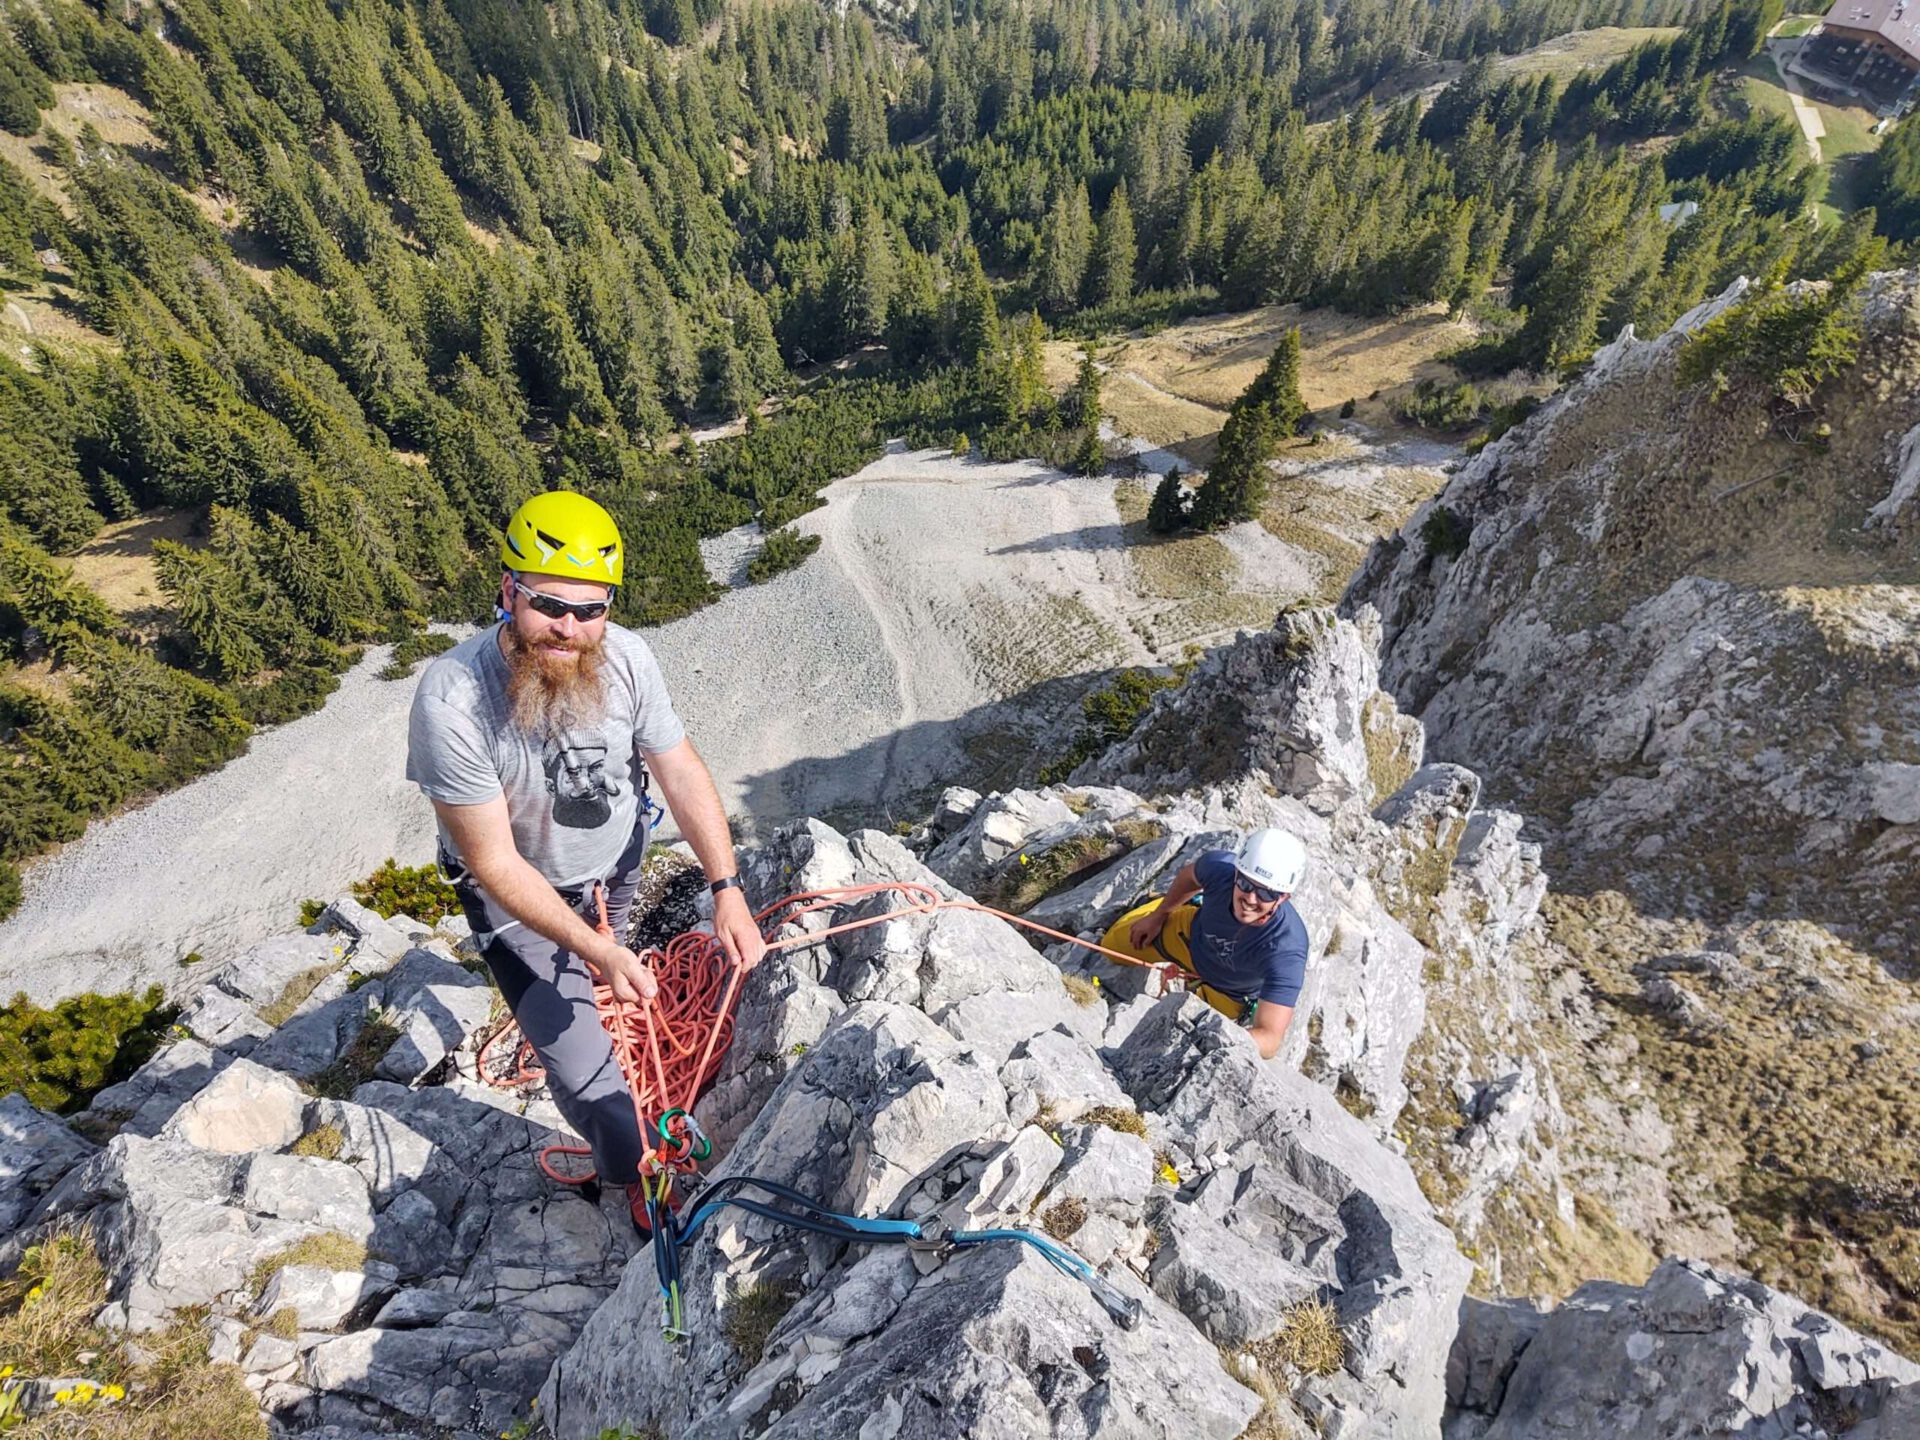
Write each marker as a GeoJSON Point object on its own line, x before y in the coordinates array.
{"type": "Point", "coordinates": [58, 1057]}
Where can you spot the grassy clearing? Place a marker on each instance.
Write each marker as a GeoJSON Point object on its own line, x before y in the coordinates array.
{"type": "Point", "coordinates": [1568, 55]}
{"type": "Point", "coordinates": [1801, 1113]}
{"type": "Point", "coordinates": [46, 1326]}
{"type": "Point", "coordinates": [117, 564]}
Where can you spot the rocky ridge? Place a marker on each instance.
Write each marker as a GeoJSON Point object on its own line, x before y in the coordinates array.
{"type": "Point", "coordinates": [1683, 643]}
{"type": "Point", "coordinates": [363, 1222]}
{"type": "Point", "coordinates": [1686, 646]}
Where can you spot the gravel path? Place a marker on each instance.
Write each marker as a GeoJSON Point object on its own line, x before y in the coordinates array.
{"type": "Point", "coordinates": [925, 643]}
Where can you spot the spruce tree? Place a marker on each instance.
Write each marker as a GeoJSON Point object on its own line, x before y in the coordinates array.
{"type": "Point", "coordinates": [1110, 273]}
{"type": "Point", "coordinates": [1167, 511]}
{"type": "Point", "coordinates": [1269, 411]}
{"type": "Point", "coordinates": [210, 609]}
{"type": "Point", "coordinates": [1065, 240]}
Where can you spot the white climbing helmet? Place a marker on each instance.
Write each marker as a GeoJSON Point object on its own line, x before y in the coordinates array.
{"type": "Point", "coordinates": [1272, 858]}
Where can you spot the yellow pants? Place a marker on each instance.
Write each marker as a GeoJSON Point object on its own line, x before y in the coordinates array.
{"type": "Point", "coordinates": [1173, 943]}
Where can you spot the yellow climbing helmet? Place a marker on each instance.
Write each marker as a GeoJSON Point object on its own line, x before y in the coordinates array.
{"type": "Point", "coordinates": [561, 533]}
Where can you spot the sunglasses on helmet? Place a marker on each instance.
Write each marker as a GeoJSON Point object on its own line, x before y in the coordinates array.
{"type": "Point", "coordinates": [554, 608]}
{"type": "Point", "coordinates": [1258, 892]}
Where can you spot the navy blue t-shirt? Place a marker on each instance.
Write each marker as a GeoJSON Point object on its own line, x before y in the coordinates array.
{"type": "Point", "coordinates": [1267, 960]}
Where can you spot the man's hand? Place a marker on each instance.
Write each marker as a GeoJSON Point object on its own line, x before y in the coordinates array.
{"type": "Point", "coordinates": [1144, 931]}
{"type": "Point", "coordinates": [738, 935]}
{"type": "Point", "coordinates": [621, 970]}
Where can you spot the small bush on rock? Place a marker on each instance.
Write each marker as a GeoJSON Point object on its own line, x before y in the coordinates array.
{"type": "Point", "coordinates": [59, 1057]}
{"type": "Point", "coordinates": [752, 1318]}
{"type": "Point", "coordinates": [785, 548]}
{"type": "Point", "coordinates": [415, 890]}
{"type": "Point", "coordinates": [1309, 1341]}
{"type": "Point", "coordinates": [412, 650]}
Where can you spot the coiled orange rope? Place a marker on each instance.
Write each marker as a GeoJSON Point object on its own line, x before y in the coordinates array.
{"type": "Point", "coordinates": [670, 1046]}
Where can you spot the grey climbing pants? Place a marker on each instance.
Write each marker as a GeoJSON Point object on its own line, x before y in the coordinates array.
{"type": "Point", "coordinates": [550, 992]}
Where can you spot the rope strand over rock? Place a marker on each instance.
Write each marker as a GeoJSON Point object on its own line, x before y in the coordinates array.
{"type": "Point", "coordinates": [669, 1047]}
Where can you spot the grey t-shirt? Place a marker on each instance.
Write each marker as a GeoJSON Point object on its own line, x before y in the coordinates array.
{"type": "Point", "coordinates": [572, 797]}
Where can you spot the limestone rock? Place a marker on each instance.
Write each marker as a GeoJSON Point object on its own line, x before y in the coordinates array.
{"type": "Point", "coordinates": [1583, 653]}
{"type": "Point", "coordinates": [1058, 1073]}
{"type": "Point", "coordinates": [244, 1107]}
{"type": "Point", "coordinates": [1400, 1278]}
{"type": "Point", "coordinates": [224, 1021]}
{"type": "Point", "coordinates": [438, 1005]}
{"type": "Point", "coordinates": [997, 828]}
{"type": "Point", "coordinates": [322, 1193]}
{"type": "Point", "coordinates": [1288, 703]}
{"type": "Point", "coordinates": [261, 976]}
{"type": "Point", "coordinates": [317, 1038]}
{"type": "Point", "coordinates": [1695, 1351]}
{"type": "Point", "coordinates": [147, 1099]}
{"type": "Point", "coordinates": [36, 1150]}
{"type": "Point", "coordinates": [375, 943]}
{"type": "Point", "coordinates": [320, 1299]}
{"type": "Point", "coordinates": [1493, 1334]}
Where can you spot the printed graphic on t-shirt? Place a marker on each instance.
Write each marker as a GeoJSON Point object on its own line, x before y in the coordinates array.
{"type": "Point", "coordinates": [577, 781]}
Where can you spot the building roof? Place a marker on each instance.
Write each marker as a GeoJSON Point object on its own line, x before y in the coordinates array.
{"type": "Point", "coordinates": [1897, 21]}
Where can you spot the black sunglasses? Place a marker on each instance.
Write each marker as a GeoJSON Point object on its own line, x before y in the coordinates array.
{"type": "Point", "coordinates": [554, 608]}
{"type": "Point", "coordinates": [1258, 892]}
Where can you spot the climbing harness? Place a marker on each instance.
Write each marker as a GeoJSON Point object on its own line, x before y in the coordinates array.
{"type": "Point", "coordinates": [670, 1046]}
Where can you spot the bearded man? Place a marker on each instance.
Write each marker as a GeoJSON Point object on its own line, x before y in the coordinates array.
{"type": "Point", "coordinates": [534, 740]}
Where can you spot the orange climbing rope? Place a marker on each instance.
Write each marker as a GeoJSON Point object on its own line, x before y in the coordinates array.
{"type": "Point", "coordinates": [670, 1046]}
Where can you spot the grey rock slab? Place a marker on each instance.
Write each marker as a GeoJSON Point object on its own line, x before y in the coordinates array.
{"type": "Point", "coordinates": [322, 1193]}
{"type": "Point", "coordinates": [224, 1021]}
{"type": "Point", "coordinates": [1107, 1170]}
{"type": "Point", "coordinates": [996, 1343]}
{"type": "Point", "coordinates": [391, 1157]}
{"type": "Point", "coordinates": [1894, 1416]}
{"type": "Point", "coordinates": [244, 1107]}
{"type": "Point", "coordinates": [374, 943]}
{"type": "Point", "coordinates": [781, 1013]}
{"type": "Point", "coordinates": [36, 1150]}
{"type": "Point", "coordinates": [885, 1095]}
{"type": "Point", "coordinates": [1060, 1073]}
{"type": "Point", "coordinates": [1096, 902]}
{"type": "Point", "coordinates": [1492, 1336]}
{"type": "Point", "coordinates": [994, 1024]}
{"type": "Point", "coordinates": [997, 828]}
{"type": "Point", "coordinates": [1400, 1279]}
{"type": "Point", "coordinates": [1234, 1291]}
{"type": "Point", "coordinates": [313, 1041]}
{"type": "Point", "coordinates": [321, 1299]}
{"type": "Point", "coordinates": [147, 1098]}
{"type": "Point", "coordinates": [163, 1216]}
{"type": "Point", "coordinates": [414, 1307]}
{"type": "Point", "coordinates": [261, 976]}
{"type": "Point", "coordinates": [1696, 1350]}
{"type": "Point", "coordinates": [411, 1235]}
{"type": "Point", "coordinates": [437, 1005]}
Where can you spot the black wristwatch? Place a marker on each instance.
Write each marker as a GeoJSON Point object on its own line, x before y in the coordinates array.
{"type": "Point", "coordinates": [727, 882]}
